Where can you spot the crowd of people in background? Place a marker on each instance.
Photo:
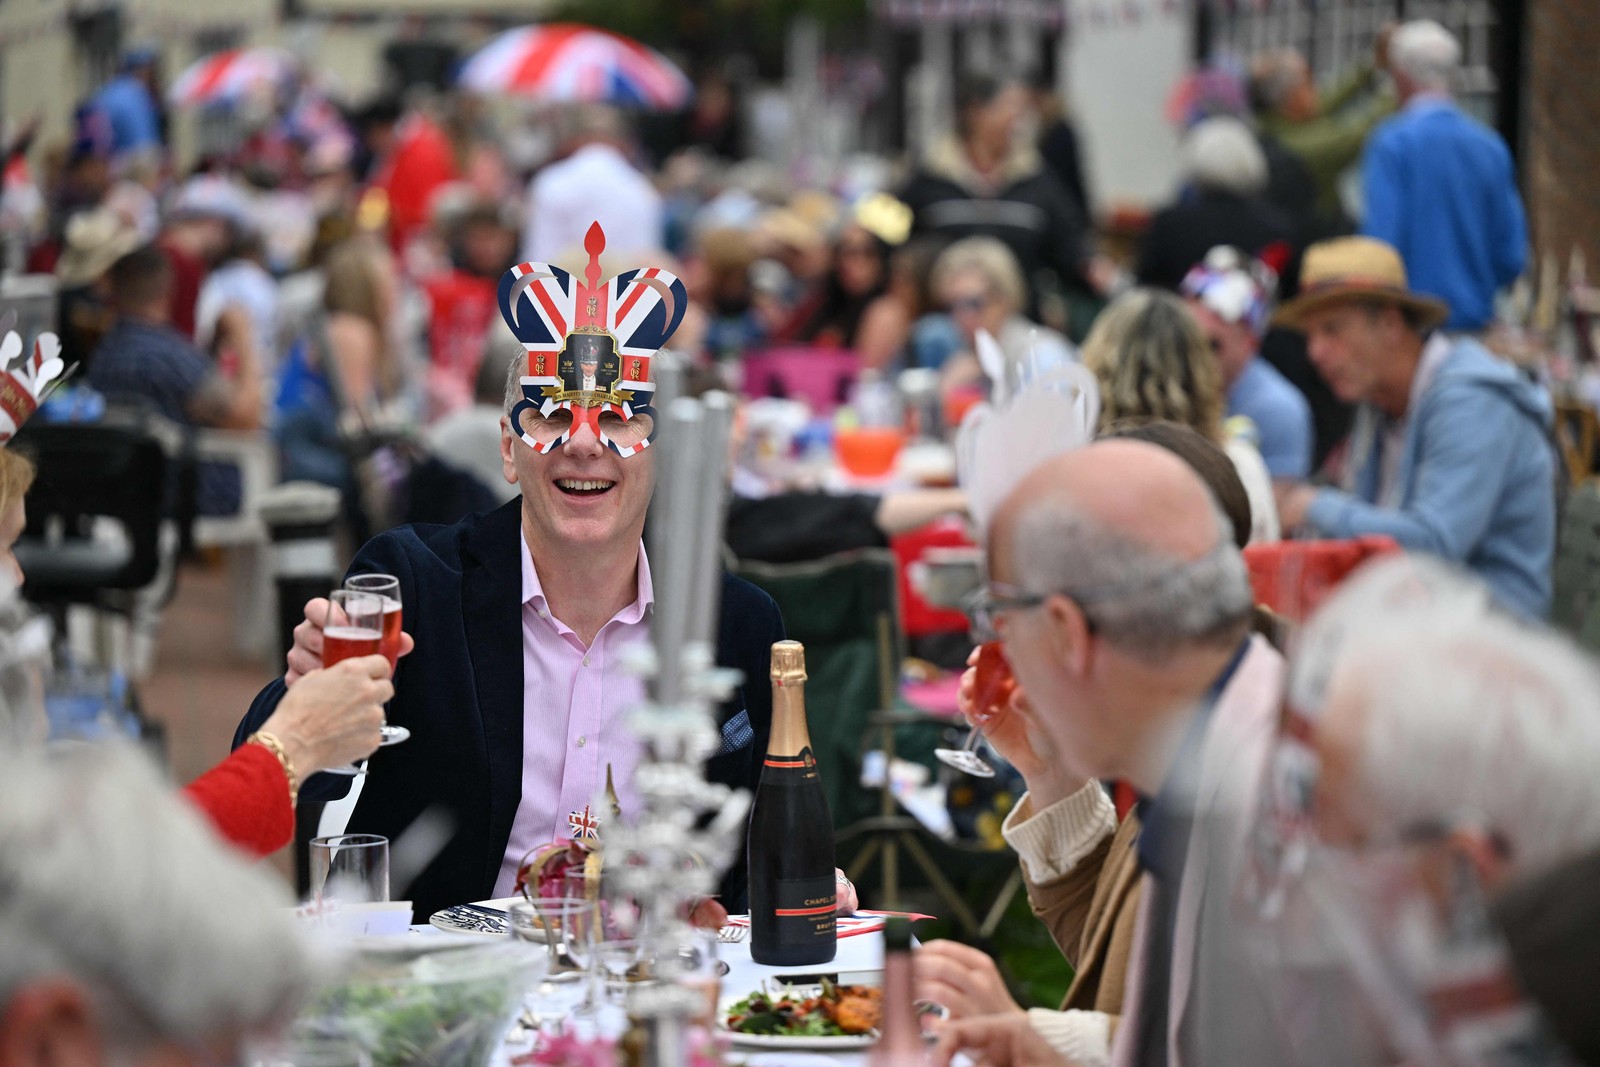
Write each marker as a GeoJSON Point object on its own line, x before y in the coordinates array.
{"type": "Point", "coordinates": [1315, 848]}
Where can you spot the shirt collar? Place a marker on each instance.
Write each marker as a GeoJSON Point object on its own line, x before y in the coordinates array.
{"type": "Point", "coordinates": [1428, 100]}
{"type": "Point", "coordinates": [1434, 352]}
{"type": "Point", "coordinates": [1165, 817]}
{"type": "Point", "coordinates": [644, 602]}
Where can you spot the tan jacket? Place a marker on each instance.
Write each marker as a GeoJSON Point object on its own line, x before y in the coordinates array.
{"type": "Point", "coordinates": [1090, 912]}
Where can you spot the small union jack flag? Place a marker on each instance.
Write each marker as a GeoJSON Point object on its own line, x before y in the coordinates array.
{"type": "Point", "coordinates": [583, 824]}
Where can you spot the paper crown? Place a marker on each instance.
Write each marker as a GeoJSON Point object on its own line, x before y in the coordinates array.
{"type": "Point", "coordinates": [22, 387]}
{"type": "Point", "coordinates": [589, 342]}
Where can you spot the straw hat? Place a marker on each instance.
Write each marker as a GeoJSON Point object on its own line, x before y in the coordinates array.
{"type": "Point", "coordinates": [1357, 268]}
{"type": "Point", "coordinates": [93, 241]}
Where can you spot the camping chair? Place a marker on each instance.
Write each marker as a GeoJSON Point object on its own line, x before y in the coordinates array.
{"type": "Point", "coordinates": [96, 536]}
{"type": "Point", "coordinates": [95, 515]}
{"type": "Point", "coordinates": [844, 610]}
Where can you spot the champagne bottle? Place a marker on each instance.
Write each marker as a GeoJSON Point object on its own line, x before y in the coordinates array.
{"type": "Point", "coordinates": [900, 1034]}
{"type": "Point", "coordinates": [792, 891]}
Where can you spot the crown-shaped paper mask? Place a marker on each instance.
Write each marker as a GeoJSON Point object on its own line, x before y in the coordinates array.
{"type": "Point", "coordinates": [589, 344]}
{"type": "Point", "coordinates": [22, 387]}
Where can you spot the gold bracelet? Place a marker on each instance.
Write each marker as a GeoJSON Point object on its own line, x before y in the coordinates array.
{"type": "Point", "coordinates": [274, 746]}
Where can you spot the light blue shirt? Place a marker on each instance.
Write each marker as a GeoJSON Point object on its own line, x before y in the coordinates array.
{"type": "Point", "coordinates": [1281, 415]}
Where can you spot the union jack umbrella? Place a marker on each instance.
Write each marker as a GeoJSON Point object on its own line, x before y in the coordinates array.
{"type": "Point", "coordinates": [571, 63]}
{"type": "Point", "coordinates": [628, 318]}
{"type": "Point", "coordinates": [223, 77]}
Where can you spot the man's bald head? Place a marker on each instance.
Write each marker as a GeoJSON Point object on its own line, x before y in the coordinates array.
{"type": "Point", "coordinates": [1131, 532]}
{"type": "Point", "coordinates": [1133, 488]}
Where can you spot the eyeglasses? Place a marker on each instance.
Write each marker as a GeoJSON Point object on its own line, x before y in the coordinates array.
{"type": "Point", "coordinates": [984, 607]}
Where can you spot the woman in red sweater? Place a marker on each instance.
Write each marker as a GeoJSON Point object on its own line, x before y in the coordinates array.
{"type": "Point", "coordinates": [331, 717]}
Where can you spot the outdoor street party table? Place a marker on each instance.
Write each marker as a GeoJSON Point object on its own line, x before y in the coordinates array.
{"type": "Point", "coordinates": [860, 952]}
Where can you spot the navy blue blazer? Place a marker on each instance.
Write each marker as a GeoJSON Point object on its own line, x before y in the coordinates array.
{"type": "Point", "coordinates": [460, 694]}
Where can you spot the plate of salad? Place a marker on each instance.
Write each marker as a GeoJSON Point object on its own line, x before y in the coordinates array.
{"type": "Point", "coordinates": [825, 1016]}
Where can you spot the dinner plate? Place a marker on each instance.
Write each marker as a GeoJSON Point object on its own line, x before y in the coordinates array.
{"type": "Point", "coordinates": [459, 919]}
{"type": "Point", "coordinates": [843, 1043]}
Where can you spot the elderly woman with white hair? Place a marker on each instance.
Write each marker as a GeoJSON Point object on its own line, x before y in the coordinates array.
{"type": "Point", "coordinates": [1223, 202]}
{"type": "Point", "coordinates": [1432, 749]}
{"type": "Point", "coordinates": [129, 934]}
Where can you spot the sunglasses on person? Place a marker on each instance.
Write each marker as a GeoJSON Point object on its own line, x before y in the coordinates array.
{"type": "Point", "coordinates": [970, 305]}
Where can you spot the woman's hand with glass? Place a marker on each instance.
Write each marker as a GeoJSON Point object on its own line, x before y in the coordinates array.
{"type": "Point", "coordinates": [335, 716]}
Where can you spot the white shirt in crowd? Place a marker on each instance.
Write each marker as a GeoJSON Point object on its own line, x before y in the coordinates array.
{"type": "Point", "coordinates": [245, 284]}
{"type": "Point", "coordinates": [595, 183]}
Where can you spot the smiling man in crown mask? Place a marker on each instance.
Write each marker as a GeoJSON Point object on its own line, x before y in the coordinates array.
{"type": "Point", "coordinates": [516, 694]}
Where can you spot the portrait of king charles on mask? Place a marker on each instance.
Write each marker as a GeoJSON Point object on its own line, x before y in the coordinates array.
{"type": "Point", "coordinates": [589, 363]}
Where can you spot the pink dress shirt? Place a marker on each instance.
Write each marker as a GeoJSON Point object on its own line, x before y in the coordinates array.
{"type": "Point", "coordinates": [574, 704]}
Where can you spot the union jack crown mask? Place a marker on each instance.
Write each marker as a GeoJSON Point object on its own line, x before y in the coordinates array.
{"type": "Point", "coordinates": [589, 345]}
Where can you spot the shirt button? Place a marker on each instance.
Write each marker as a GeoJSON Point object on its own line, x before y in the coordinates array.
{"type": "Point", "coordinates": [543, 614]}
{"type": "Point", "coordinates": [582, 741]}
{"type": "Point", "coordinates": [586, 661]}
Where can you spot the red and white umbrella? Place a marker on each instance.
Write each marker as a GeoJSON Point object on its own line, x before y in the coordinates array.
{"type": "Point", "coordinates": [232, 75]}
{"type": "Point", "coordinates": [570, 63]}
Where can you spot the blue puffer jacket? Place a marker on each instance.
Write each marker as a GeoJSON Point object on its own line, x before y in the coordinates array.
{"type": "Point", "coordinates": [1477, 479]}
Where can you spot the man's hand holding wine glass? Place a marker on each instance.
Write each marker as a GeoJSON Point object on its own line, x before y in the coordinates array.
{"type": "Point", "coordinates": [306, 655]}
{"type": "Point", "coordinates": [1007, 732]}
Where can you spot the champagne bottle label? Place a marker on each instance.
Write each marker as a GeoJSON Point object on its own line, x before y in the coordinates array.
{"type": "Point", "coordinates": [803, 766]}
{"type": "Point", "coordinates": [804, 909]}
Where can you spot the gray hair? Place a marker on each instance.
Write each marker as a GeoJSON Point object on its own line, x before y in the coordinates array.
{"type": "Point", "coordinates": [515, 368]}
{"type": "Point", "coordinates": [988, 257]}
{"type": "Point", "coordinates": [1273, 77]}
{"type": "Point", "coordinates": [110, 880]}
{"type": "Point", "coordinates": [1222, 153]}
{"type": "Point", "coordinates": [1426, 54]}
{"type": "Point", "coordinates": [1468, 712]}
{"type": "Point", "coordinates": [1148, 603]}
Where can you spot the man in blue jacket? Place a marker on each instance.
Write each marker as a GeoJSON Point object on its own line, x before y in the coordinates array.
{"type": "Point", "coordinates": [1439, 185]}
{"type": "Point", "coordinates": [1450, 453]}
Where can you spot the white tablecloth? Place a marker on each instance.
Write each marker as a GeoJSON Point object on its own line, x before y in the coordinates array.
{"type": "Point", "coordinates": [861, 952]}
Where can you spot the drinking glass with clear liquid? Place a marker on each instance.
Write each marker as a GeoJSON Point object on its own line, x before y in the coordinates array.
{"type": "Point", "coordinates": [353, 626]}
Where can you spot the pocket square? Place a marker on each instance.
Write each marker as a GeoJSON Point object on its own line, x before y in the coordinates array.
{"type": "Point", "coordinates": [737, 733]}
